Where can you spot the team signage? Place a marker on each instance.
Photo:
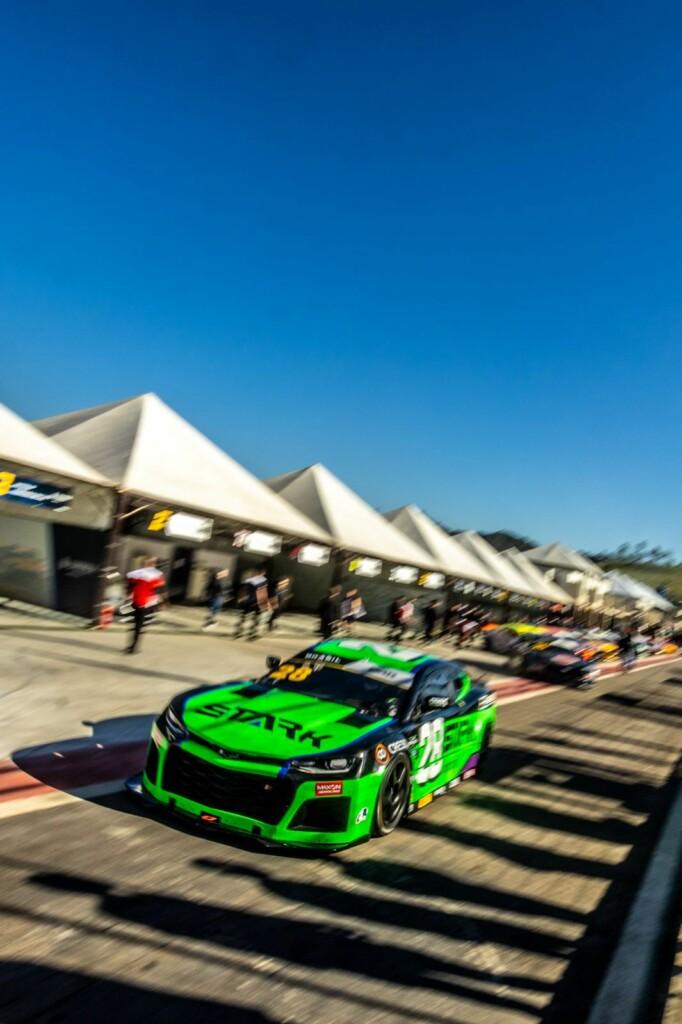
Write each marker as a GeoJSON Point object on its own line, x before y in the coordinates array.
{"type": "Point", "coordinates": [258, 542]}
{"type": "Point", "coordinates": [365, 566]}
{"type": "Point", "coordinates": [312, 554]}
{"type": "Point", "coordinates": [33, 493]}
{"type": "Point", "coordinates": [403, 574]}
{"type": "Point", "coordinates": [432, 580]}
{"type": "Point", "coordinates": [180, 525]}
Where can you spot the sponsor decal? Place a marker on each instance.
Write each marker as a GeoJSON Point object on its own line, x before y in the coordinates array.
{"type": "Point", "coordinates": [425, 800]}
{"type": "Point", "coordinates": [454, 782]}
{"type": "Point", "coordinates": [263, 720]}
{"type": "Point", "coordinates": [395, 748]}
{"type": "Point", "coordinates": [469, 773]}
{"type": "Point", "coordinates": [33, 493]}
{"type": "Point", "coordinates": [328, 788]}
{"type": "Point", "coordinates": [381, 754]}
{"type": "Point", "coordinates": [440, 791]}
{"type": "Point", "coordinates": [362, 816]}
{"type": "Point", "coordinates": [438, 702]}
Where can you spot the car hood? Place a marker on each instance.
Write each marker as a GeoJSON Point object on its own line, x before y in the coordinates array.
{"type": "Point", "coordinates": [273, 723]}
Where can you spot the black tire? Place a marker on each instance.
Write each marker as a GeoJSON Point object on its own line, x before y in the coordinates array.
{"type": "Point", "coordinates": [393, 797]}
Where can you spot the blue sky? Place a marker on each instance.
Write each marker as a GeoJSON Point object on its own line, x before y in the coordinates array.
{"type": "Point", "coordinates": [436, 246]}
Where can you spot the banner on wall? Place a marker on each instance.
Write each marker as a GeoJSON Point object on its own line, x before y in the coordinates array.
{"type": "Point", "coordinates": [32, 492]}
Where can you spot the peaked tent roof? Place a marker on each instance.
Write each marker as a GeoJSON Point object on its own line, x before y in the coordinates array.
{"type": "Point", "coordinates": [503, 570]}
{"type": "Point", "coordinates": [625, 586]}
{"type": "Point", "coordinates": [149, 450]}
{"type": "Point", "coordinates": [354, 524]}
{"type": "Point", "coordinates": [21, 442]}
{"type": "Point", "coordinates": [562, 557]}
{"type": "Point", "coordinates": [547, 590]}
{"type": "Point", "coordinates": [459, 562]}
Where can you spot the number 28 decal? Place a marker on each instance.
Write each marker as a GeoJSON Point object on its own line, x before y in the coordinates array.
{"type": "Point", "coordinates": [430, 750]}
{"type": "Point", "coordinates": [293, 673]}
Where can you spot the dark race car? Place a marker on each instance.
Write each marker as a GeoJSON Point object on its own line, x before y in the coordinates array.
{"type": "Point", "coordinates": [329, 747]}
{"type": "Point", "coordinates": [552, 663]}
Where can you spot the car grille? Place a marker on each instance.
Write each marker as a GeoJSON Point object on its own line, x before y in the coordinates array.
{"type": "Point", "coordinates": [256, 796]}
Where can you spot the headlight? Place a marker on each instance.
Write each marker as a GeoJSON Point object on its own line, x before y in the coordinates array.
{"type": "Point", "coordinates": [173, 725]}
{"type": "Point", "coordinates": [332, 765]}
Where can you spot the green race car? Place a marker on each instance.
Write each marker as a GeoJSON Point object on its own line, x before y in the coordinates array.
{"type": "Point", "coordinates": [331, 747]}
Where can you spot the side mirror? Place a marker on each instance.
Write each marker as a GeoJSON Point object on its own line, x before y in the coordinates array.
{"type": "Point", "coordinates": [272, 662]}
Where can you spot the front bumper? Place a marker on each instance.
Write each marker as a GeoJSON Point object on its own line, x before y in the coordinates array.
{"type": "Point", "coordinates": [255, 799]}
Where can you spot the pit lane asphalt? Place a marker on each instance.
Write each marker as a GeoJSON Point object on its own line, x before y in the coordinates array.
{"type": "Point", "coordinates": [500, 902]}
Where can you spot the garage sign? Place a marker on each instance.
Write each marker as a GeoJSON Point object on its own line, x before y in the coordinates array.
{"type": "Point", "coordinates": [33, 493]}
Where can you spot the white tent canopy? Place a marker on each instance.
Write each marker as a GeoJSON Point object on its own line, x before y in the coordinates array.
{"type": "Point", "coordinates": [354, 525]}
{"type": "Point", "coordinates": [559, 556]}
{"type": "Point", "coordinates": [445, 549]}
{"type": "Point", "coordinates": [151, 451]}
{"type": "Point", "coordinates": [22, 443]}
{"type": "Point", "coordinates": [627, 588]}
{"type": "Point", "coordinates": [507, 575]}
{"type": "Point", "coordinates": [544, 588]}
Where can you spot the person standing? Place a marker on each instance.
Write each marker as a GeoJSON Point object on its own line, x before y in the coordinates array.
{"type": "Point", "coordinates": [394, 618]}
{"type": "Point", "coordinates": [279, 600]}
{"type": "Point", "coordinates": [255, 600]}
{"type": "Point", "coordinates": [217, 595]}
{"type": "Point", "coordinates": [144, 585]}
{"type": "Point", "coordinates": [626, 649]}
{"type": "Point", "coordinates": [328, 611]}
{"type": "Point", "coordinates": [430, 620]}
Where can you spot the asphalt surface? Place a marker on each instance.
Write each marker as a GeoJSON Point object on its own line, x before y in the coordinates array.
{"type": "Point", "coordinates": [500, 902]}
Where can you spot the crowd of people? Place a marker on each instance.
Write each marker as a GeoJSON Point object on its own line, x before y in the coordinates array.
{"type": "Point", "coordinates": [437, 620]}
{"type": "Point", "coordinates": [255, 598]}
{"type": "Point", "coordinates": [258, 598]}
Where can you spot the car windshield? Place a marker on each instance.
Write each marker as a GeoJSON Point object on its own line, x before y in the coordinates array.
{"type": "Point", "coordinates": [366, 691]}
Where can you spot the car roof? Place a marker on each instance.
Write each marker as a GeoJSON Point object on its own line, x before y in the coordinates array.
{"type": "Point", "coordinates": [376, 653]}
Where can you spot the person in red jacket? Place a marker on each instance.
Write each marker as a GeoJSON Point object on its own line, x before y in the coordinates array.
{"type": "Point", "coordinates": [144, 585]}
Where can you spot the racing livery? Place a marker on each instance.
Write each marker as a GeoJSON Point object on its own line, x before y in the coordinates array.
{"type": "Point", "coordinates": [328, 748]}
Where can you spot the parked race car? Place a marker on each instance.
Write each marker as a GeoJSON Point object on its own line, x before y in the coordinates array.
{"type": "Point", "coordinates": [502, 639]}
{"type": "Point", "coordinates": [553, 663]}
{"type": "Point", "coordinates": [331, 747]}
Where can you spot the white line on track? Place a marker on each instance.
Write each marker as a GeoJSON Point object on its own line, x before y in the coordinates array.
{"type": "Point", "coordinates": [43, 802]}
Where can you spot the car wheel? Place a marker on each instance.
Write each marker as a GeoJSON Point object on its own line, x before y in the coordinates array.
{"type": "Point", "coordinates": [394, 796]}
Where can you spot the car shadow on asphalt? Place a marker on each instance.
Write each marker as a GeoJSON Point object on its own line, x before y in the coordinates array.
{"type": "Point", "coordinates": [115, 748]}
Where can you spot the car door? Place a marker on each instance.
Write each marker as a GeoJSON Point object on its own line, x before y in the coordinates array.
{"type": "Point", "coordinates": [434, 726]}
